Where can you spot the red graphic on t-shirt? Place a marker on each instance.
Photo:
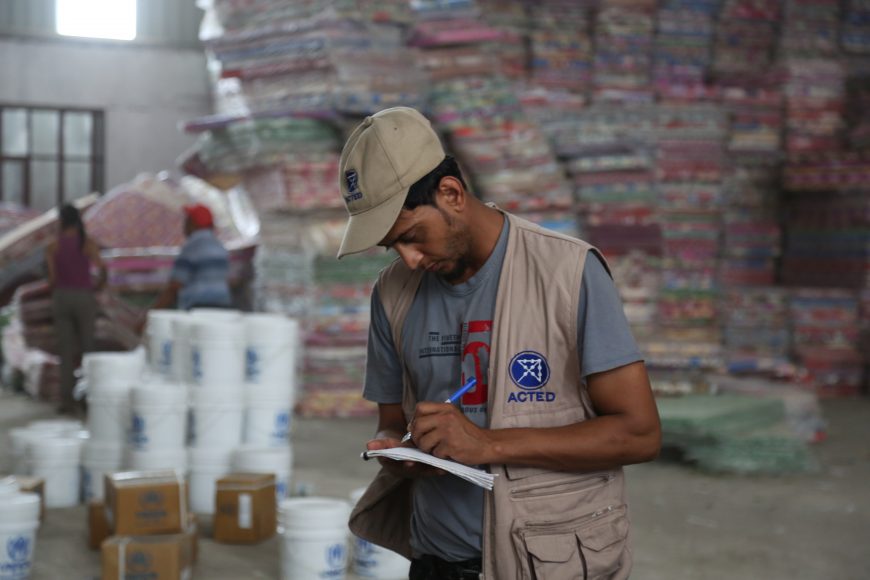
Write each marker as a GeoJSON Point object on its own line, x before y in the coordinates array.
{"type": "Point", "coordinates": [476, 332]}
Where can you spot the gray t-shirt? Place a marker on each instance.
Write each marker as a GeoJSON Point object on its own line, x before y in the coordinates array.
{"type": "Point", "coordinates": [446, 341]}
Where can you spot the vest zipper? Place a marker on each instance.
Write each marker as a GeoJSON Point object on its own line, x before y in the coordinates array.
{"type": "Point", "coordinates": [533, 490]}
{"type": "Point", "coordinates": [567, 525]}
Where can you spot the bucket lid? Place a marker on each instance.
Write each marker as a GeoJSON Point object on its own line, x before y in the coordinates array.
{"type": "Point", "coordinates": [210, 457]}
{"type": "Point", "coordinates": [60, 425]}
{"type": "Point", "coordinates": [113, 391]}
{"type": "Point", "coordinates": [208, 329]}
{"type": "Point", "coordinates": [160, 459]}
{"type": "Point", "coordinates": [313, 513]}
{"type": "Point", "coordinates": [8, 485]}
{"type": "Point", "coordinates": [102, 452]}
{"type": "Point", "coordinates": [19, 508]}
{"type": "Point", "coordinates": [52, 448]}
{"type": "Point", "coordinates": [271, 327]}
{"type": "Point", "coordinates": [216, 313]}
{"type": "Point", "coordinates": [161, 320]}
{"type": "Point", "coordinates": [205, 397]}
{"type": "Point", "coordinates": [257, 396]}
{"type": "Point", "coordinates": [263, 459]}
{"type": "Point", "coordinates": [159, 394]}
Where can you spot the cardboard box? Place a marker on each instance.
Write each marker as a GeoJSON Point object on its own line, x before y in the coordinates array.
{"type": "Point", "coordinates": [33, 485]}
{"type": "Point", "coordinates": [98, 526]}
{"type": "Point", "coordinates": [140, 503]}
{"type": "Point", "coordinates": [152, 557]}
{"type": "Point", "coordinates": [245, 510]}
{"type": "Point", "coordinates": [192, 534]}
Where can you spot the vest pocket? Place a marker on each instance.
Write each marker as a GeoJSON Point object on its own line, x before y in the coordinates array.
{"type": "Point", "coordinates": [586, 548]}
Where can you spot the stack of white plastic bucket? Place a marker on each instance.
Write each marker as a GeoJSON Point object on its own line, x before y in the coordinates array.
{"type": "Point", "coordinates": [160, 337]}
{"type": "Point", "coordinates": [272, 347]}
{"type": "Point", "coordinates": [51, 449]}
{"type": "Point", "coordinates": [215, 375]}
{"type": "Point", "coordinates": [158, 426]}
{"type": "Point", "coordinates": [372, 561]}
{"type": "Point", "coordinates": [19, 520]}
{"type": "Point", "coordinates": [110, 377]}
{"type": "Point", "coordinates": [314, 538]}
{"type": "Point", "coordinates": [22, 436]}
{"type": "Point", "coordinates": [240, 374]}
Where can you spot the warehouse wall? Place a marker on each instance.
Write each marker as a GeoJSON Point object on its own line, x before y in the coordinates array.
{"type": "Point", "coordinates": [144, 90]}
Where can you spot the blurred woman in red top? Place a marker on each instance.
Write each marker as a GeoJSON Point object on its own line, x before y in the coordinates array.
{"type": "Point", "coordinates": [69, 260]}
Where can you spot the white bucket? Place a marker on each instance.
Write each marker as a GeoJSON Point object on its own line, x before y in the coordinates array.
{"type": "Point", "coordinates": [106, 369]}
{"type": "Point", "coordinates": [206, 467]}
{"type": "Point", "coordinates": [98, 459]}
{"type": "Point", "coordinates": [217, 363]}
{"type": "Point", "coordinates": [108, 414]}
{"type": "Point", "coordinates": [216, 418]}
{"type": "Point", "coordinates": [271, 353]}
{"type": "Point", "coordinates": [8, 486]}
{"type": "Point", "coordinates": [161, 339]}
{"type": "Point", "coordinates": [161, 459]}
{"type": "Point", "coordinates": [217, 313]}
{"type": "Point", "coordinates": [19, 520]}
{"type": "Point", "coordinates": [181, 350]}
{"type": "Point", "coordinates": [62, 427]}
{"type": "Point", "coordinates": [217, 328]}
{"type": "Point", "coordinates": [21, 437]}
{"type": "Point", "coordinates": [314, 534]}
{"type": "Point", "coordinates": [158, 416]}
{"type": "Point", "coordinates": [372, 561]}
{"type": "Point", "coordinates": [276, 460]}
{"type": "Point", "coordinates": [267, 420]}
{"type": "Point", "coordinates": [56, 459]}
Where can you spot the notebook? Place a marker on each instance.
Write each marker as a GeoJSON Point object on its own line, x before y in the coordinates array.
{"type": "Point", "coordinates": [472, 474]}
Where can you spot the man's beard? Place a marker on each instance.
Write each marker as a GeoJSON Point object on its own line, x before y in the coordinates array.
{"type": "Point", "coordinates": [460, 246]}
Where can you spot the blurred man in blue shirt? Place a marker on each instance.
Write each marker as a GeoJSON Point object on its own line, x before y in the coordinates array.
{"type": "Point", "coordinates": [200, 275]}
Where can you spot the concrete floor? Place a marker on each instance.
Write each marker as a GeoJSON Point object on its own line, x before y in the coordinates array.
{"type": "Point", "coordinates": [687, 525]}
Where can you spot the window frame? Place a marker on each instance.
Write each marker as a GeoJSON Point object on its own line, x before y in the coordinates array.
{"type": "Point", "coordinates": [96, 160]}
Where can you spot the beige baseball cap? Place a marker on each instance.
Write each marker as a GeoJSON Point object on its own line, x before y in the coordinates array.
{"type": "Point", "coordinates": [382, 159]}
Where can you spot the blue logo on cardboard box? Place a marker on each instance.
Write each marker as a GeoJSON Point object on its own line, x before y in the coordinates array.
{"type": "Point", "coordinates": [530, 371]}
{"type": "Point", "coordinates": [138, 562]}
{"type": "Point", "coordinates": [353, 191]}
{"type": "Point", "coordinates": [150, 498]}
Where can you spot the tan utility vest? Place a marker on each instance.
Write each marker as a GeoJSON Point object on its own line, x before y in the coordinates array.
{"type": "Point", "coordinates": [538, 524]}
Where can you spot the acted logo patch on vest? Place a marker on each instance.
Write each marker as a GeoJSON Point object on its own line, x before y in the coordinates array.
{"type": "Point", "coordinates": [530, 371]}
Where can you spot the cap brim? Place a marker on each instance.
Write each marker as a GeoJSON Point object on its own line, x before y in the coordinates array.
{"type": "Point", "coordinates": [365, 229]}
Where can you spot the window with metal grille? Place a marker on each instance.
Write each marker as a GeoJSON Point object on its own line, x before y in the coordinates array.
{"type": "Point", "coordinates": [49, 156]}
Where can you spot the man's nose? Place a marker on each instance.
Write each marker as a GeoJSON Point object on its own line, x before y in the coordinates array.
{"type": "Point", "coordinates": [411, 256]}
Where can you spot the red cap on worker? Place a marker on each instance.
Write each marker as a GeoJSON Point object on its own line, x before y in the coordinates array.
{"type": "Point", "coordinates": [199, 215]}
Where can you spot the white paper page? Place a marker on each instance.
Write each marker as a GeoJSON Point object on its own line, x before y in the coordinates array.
{"type": "Point", "coordinates": [474, 475]}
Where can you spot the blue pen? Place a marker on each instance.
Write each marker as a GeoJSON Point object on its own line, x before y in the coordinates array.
{"type": "Point", "coordinates": [469, 384]}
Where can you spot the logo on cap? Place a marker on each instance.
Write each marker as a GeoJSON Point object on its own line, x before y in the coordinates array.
{"type": "Point", "coordinates": [353, 191]}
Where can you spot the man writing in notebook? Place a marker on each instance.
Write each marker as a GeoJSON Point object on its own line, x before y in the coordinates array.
{"type": "Point", "coordinates": [562, 399]}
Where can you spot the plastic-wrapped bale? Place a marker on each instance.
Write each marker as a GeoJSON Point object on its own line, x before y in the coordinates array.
{"type": "Point", "coordinates": [700, 419]}
{"type": "Point", "coordinates": [624, 34]}
{"type": "Point", "coordinates": [561, 46]}
{"type": "Point", "coordinates": [683, 50]}
{"type": "Point", "coordinates": [810, 28]}
{"type": "Point", "coordinates": [773, 450]}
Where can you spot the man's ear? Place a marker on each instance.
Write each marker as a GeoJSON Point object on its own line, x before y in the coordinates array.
{"type": "Point", "coordinates": [451, 194]}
